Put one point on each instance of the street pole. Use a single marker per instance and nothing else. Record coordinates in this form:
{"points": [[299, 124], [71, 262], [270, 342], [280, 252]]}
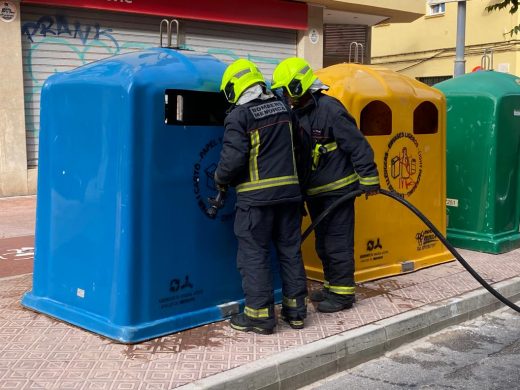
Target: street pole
{"points": [[460, 62]]}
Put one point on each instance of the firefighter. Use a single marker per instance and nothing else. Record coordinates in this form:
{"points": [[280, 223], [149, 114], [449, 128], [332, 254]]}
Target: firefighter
{"points": [[258, 159], [340, 160]]}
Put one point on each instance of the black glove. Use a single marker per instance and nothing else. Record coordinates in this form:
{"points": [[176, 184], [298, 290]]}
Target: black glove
{"points": [[370, 190], [221, 187]]}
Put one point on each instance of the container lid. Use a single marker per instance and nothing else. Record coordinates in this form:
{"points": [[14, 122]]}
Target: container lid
{"points": [[486, 82], [181, 69], [352, 83]]}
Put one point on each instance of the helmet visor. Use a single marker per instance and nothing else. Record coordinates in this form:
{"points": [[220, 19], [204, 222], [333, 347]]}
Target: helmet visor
{"points": [[229, 91], [295, 87]]}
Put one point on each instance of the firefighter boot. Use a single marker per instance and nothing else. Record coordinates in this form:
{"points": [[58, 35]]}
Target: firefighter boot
{"points": [[318, 295], [243, 323], [294, 322], [335, 302]]}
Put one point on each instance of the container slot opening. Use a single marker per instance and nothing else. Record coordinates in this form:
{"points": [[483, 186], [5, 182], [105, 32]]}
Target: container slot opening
{"points": [[194, 108], [376, 119], [426, 119]]}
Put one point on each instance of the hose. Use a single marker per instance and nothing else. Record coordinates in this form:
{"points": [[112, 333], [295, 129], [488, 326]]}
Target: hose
{"points": [[428, 223]]}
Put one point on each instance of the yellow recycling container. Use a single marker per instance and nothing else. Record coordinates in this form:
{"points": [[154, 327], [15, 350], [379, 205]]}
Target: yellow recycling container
{"points": [[405, 122]]}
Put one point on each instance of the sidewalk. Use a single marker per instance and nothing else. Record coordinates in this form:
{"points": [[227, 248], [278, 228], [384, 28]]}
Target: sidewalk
{"points": [[38, 352]]}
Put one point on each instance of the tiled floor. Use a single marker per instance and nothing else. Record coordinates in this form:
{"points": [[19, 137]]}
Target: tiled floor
{"points": [[37, 352]]}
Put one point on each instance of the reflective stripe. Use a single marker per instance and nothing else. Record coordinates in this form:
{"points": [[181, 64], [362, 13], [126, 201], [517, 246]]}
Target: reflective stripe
{"points": [[331, 147], [267, 183], [315, 156], [292, 149], [256, 313], [317, 152], [367, 181], [342, 290], [289, 302], [241, 73], [293, 302], [304, 70], [253, 157], [326, 284], [335, 185]]}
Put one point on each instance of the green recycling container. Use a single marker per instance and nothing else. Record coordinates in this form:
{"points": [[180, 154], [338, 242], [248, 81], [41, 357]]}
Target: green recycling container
{"points": [[483, 161]]}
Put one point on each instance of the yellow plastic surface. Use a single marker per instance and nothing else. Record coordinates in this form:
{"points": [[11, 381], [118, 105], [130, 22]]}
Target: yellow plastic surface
{"points": [[405, 122]]}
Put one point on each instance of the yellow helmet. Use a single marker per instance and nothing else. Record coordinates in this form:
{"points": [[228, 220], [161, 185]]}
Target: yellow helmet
{"points": [[239, 76], [295, 75]]}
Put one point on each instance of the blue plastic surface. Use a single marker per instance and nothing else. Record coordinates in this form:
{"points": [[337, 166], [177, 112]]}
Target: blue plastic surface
{"points": [[123, 247]]}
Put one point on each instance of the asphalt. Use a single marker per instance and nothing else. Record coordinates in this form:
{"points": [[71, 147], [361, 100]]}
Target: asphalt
{"points": [[40, 352]]}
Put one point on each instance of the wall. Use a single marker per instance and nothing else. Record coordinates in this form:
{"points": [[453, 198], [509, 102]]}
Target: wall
{"points": [[312, 52], [397, 11], [13, 157], [426, 47]]}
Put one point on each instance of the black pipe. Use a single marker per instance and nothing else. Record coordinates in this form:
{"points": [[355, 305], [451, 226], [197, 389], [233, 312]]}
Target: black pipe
{"points": [[428, 223]]}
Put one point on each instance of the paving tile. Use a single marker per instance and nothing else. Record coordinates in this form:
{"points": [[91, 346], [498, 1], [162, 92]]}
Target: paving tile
{"points": [[152, 385], [126, 385], [96, 385], [70, 385], [74, 375], [13, 384]]}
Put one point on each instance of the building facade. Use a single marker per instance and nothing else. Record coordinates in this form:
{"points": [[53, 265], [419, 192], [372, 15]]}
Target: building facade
{"points": [[42, 37], [425, 48]]}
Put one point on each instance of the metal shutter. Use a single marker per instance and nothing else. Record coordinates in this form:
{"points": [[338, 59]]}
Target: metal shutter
{"points": [[337, 40], [57, 40]]}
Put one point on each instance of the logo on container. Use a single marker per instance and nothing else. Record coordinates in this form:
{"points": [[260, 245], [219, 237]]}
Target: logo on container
{"points": [[425, 239], [204, 183], [403, 164]]}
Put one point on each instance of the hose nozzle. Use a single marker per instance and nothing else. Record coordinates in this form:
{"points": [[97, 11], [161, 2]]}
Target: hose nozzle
{"points": [[216, 203]]}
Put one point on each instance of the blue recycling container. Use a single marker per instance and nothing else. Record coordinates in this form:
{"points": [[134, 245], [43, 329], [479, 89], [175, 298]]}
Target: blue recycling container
{"points": [[124, 248]]}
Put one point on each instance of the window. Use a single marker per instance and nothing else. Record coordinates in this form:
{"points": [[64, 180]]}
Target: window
{"points": [[376, 119], [194, 108], [436, 8], [425, 119], [432, 80]]}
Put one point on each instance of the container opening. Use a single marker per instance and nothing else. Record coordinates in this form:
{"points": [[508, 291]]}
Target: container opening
{"points": [[425, 119], [194, 108], [376, 119]]}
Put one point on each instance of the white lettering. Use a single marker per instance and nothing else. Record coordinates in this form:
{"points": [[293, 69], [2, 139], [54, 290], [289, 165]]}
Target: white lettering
{"points": [[452, 202], [267, 109]]}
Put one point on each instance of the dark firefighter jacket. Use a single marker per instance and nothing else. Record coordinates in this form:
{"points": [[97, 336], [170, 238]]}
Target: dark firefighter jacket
{"points": [[258, 155], [340, 158]]}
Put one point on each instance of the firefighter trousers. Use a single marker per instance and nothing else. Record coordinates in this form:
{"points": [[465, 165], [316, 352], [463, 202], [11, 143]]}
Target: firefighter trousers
{"points": [[256, 227], [335, 244]]}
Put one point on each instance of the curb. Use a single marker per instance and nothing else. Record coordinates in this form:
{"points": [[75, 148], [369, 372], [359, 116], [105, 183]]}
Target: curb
{"points": [[309, 363]]}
